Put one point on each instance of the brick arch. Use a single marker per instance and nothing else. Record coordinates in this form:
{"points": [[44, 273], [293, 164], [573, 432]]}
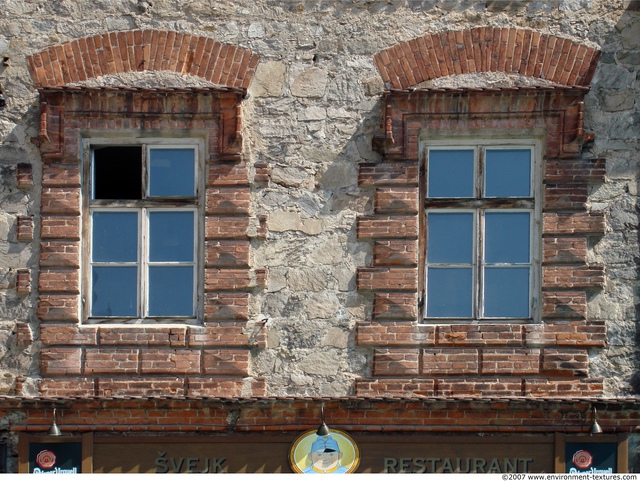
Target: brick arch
{"points": [[140, 50], [487, 49]]}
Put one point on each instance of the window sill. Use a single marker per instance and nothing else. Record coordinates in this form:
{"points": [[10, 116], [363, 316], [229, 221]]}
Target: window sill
{"points": [[162, 322]]}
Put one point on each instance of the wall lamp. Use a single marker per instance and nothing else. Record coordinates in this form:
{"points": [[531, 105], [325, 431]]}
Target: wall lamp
{"points": [[595, 427], [323, 429], [54, 430]]}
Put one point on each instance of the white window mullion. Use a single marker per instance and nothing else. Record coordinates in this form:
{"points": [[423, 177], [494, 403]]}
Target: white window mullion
{"points": [[532, 263], [143, 275], [479, 267], [145, 171], [144, 238], [478, 301], [196, 250], [479, 174]]}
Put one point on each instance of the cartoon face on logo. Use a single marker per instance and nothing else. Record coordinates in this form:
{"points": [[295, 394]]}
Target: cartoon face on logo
{"points": [[582, 459], [336, 453], [46, 459]]}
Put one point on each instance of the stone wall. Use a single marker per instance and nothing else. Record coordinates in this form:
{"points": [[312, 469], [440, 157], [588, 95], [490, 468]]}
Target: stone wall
{"points": [[313, 111]]}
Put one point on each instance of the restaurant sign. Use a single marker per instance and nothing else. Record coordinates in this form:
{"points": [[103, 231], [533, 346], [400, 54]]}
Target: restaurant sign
{"points": [[338, 452]]}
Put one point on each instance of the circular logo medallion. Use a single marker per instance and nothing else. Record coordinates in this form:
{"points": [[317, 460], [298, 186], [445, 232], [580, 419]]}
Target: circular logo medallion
{"points": [[582, 459], [46, 459], [335, 453]]}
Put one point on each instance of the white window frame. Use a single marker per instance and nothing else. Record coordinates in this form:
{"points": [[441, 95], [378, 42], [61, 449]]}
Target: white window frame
{"points": [[478, 205], [144, 207]]}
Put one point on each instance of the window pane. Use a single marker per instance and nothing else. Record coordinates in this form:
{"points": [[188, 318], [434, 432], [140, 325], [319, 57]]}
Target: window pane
{"points": [[117, 172], [506, 292], [172, 172], [507, 238], [171, 291], [171, 236], [449, 292], [450, 238], [450, 173], [114, 291], [508, 173], [115, 236]]}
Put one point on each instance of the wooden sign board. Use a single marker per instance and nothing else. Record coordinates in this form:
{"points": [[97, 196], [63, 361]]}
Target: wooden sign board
{"points": [[379, 454], [271, 454]]}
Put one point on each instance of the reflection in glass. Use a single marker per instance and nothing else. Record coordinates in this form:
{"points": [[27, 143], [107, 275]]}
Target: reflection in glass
{"points": [[506, 292], [171, 291], [171, 172], [114, 291], [449, 292], [171, 236], [450, 237], [115, 236], [508, 173], [507, 238], [450, 173]]}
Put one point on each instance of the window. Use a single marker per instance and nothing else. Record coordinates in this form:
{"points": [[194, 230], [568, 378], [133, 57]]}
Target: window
{"points": [[480, 224], [143, 225]]}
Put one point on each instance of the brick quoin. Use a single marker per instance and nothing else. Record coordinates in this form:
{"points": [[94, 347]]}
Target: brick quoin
{"points": [[388, 173], [410, 63], [59, 254], [58, 307], [54, 334], [24, 335], [24, 176], [575, 170], [564, 304], [225, 253], [24, 228], [396, 199], [228, 201], [564, 250], [394, 305], [61, 175], [395, 252], [133, 51], [226, 306], [23, 281]]}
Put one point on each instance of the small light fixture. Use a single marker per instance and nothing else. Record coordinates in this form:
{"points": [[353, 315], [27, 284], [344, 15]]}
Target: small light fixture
{"points": [[595, 427], [54, 430], [323, 430]]}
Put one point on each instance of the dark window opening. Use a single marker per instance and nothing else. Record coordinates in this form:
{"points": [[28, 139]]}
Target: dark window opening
{"points": [[117, 173]]}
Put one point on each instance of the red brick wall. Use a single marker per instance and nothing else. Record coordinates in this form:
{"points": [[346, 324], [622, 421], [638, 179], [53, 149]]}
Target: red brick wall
{"points": [[545, 358], [357, 415], [207, 359], [487, 49]]}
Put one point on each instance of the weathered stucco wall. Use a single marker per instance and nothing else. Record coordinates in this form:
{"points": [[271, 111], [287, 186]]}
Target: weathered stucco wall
{"points": [[313, 109]]}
